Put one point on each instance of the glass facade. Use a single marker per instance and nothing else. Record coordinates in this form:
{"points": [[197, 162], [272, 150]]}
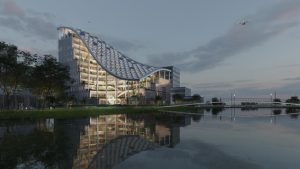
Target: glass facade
{"points": [[174, 76], [104, 75]]}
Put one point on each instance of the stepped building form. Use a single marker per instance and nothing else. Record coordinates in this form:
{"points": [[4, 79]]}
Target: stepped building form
{"points": [[104, 75]]}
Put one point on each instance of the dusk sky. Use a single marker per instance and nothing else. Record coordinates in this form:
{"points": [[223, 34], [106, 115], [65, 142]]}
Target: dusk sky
{"points": [[204, 38]]}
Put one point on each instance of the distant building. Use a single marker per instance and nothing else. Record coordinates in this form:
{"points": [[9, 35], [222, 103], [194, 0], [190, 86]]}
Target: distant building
{"points": [[182, 91], [104, 75]]}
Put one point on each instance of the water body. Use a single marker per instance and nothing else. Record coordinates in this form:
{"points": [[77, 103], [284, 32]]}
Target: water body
{"points": [[208, 139]]}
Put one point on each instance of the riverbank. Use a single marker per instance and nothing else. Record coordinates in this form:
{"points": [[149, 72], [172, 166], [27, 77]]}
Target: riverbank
{"points": [[75, 112], [251, 106], [90, 111]]}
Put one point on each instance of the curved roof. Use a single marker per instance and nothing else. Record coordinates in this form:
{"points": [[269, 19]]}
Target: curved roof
{"points": [[112, 60], [119, 149]]}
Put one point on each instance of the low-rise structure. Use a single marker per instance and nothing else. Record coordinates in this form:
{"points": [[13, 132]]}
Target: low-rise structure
{"points": [[180, 91]]}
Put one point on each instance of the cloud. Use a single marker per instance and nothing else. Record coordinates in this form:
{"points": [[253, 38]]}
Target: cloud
{"points": [[218, 85], [124, 45], [292, 79], [288, 65], [292, 88], [289, 87], [262, 26], [242, 88], [221, 85], [34, 24]]}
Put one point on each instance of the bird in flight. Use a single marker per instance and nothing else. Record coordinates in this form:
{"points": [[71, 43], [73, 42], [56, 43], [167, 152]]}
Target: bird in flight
{"points": [[244, 22]]}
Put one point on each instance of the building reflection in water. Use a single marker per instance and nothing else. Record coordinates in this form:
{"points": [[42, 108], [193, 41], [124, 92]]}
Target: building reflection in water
{"points": [[104, 134], [103, 141], [98, 142]]}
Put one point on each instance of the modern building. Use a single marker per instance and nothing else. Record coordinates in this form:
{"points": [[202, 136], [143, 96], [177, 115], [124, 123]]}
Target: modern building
{"points": [[174, 81], [175, 88], [174, 76], [104, 75]]}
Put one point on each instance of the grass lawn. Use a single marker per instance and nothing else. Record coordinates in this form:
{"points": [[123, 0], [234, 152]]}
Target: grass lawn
{"points": [[75, 112]]}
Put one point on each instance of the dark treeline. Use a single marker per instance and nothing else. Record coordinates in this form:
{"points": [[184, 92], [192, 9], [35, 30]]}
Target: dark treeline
{"points": [[178, 98], [41, 77]]}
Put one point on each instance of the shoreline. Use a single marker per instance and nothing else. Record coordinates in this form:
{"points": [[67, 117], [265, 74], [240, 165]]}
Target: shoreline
{"points": [[78, 112], [88, 111], [249, 107]]}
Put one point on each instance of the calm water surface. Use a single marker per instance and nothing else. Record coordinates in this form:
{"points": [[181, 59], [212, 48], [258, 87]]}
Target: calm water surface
{"points": [[208, 139]]}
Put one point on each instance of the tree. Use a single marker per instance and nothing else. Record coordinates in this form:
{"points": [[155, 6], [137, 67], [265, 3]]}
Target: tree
{"points": [[294, 113], [158, 99], [216, 111], [277, 100], [14, 69], [177, 98], [277, 111], [50, 79], [196, 97], [8, 62], [214, 99], [293, 99]]}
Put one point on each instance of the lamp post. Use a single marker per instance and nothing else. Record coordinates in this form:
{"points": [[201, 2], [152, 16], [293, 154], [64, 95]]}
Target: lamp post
{"points": [[271, 96], [231, 99], [234, 106], [234, 99]]}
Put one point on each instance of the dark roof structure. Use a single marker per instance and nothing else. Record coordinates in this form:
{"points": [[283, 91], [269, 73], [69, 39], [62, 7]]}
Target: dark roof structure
{"points": [[112, 60]]}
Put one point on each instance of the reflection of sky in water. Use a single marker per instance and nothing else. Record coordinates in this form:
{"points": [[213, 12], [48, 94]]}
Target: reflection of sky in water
{"points": [[246, 142], [99, 142], [188, 155], [229, 139]]}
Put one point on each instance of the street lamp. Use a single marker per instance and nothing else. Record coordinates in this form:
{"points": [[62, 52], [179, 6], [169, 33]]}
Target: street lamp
{"points": [[271, 95], [234, 99], [231, 99]]}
